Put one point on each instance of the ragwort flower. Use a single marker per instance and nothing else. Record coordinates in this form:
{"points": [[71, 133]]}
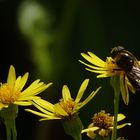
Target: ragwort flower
{"points": [[109, 68], [12, 91], [102, 124], [66, 107]]}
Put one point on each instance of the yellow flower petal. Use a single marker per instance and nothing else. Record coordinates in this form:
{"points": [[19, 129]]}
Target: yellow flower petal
{"points": [[33, 86], [104, 75], [91, 135], [45, 104], [97, 71], [90, 129], [91, 66], [102, 132], [124, 90], [35, 89], [97, 60], [50, 118], [82, 90], [23, 103], [23, 80], [28, 98], [123, 125], [17, 83], [120, 117], [93, 93], [66, 93], [93, 59], [38, 90], [37, 113], [132, 89], [94, 128], [45, 111], [59, 110], [11, 76]]}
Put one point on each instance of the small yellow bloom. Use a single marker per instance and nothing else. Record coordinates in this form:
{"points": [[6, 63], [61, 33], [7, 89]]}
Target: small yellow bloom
{"points": [[66, 107], [108, 68], [102, 124], [11, 91]]}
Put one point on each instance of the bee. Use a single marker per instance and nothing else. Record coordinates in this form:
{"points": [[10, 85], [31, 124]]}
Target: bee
{"points": [[128, 63]]}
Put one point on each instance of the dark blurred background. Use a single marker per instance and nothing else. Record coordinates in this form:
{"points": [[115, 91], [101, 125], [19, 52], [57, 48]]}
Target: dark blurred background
{"points": [[46, 37]]}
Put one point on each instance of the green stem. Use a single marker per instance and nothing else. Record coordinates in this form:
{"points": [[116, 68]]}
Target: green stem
{"points": [[115, 81], [8, 116], [14, 131], [10, 129]]}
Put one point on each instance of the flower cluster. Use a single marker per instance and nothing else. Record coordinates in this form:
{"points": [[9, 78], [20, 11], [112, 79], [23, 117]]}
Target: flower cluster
{"points": [[66, 107], [13, 94], [102, 124]]}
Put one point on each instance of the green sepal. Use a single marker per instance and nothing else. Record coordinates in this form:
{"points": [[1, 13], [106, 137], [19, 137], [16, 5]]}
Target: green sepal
{"points": [[73, 126], [8, 116]]}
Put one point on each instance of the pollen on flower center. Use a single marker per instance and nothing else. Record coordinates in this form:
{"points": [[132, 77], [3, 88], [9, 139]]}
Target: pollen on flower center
{"points": [[68, 106], [7, 94], [102, 120], [113, 67]]}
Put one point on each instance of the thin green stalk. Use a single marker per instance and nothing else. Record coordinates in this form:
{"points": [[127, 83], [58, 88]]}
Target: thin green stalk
{"points": [[8, 116], [115, 82], [14, 130], [10, 129]]}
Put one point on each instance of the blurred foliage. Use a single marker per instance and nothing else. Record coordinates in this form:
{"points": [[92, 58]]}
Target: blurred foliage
{"points": [[34, 23], [46, 37]]}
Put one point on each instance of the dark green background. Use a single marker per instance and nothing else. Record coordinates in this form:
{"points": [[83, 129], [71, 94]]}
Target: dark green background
{"points": [[76, 26]]}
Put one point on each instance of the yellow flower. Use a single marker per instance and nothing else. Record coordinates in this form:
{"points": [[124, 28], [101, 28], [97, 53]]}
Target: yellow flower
{"points": [[66, 107], [12, 91], [102, 124], [109, 68]]}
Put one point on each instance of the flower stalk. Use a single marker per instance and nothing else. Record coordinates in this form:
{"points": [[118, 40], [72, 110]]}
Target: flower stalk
{"points": [[115, 82], [8, 116]]}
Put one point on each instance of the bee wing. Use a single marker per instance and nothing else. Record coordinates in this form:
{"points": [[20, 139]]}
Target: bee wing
{"points": [[134, 77]]}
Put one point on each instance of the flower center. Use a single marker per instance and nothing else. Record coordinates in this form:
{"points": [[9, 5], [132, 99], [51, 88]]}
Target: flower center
{"points": [[102, 120], [68, 106], [7, 94]]}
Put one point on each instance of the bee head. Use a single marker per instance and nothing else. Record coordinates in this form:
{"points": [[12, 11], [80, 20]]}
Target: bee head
{"points": [[116, 50]]}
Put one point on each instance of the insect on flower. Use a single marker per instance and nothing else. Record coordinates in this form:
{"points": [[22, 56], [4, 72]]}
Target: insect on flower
{"points": [[128, 63]]}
